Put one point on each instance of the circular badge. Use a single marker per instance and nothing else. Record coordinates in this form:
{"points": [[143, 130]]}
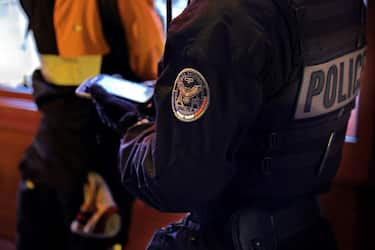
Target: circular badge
{"points": [[190, 95]]}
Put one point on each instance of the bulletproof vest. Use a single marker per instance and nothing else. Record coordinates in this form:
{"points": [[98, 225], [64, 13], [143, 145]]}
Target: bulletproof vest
{"points": [[296, 145]]}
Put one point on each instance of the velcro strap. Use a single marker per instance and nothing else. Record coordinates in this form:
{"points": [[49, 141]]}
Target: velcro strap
{"points": [[328, 28], [308, 135]]}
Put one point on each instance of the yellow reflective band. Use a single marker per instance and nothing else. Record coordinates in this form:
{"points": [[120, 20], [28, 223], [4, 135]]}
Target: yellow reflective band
{"points": [[70, 71], [29, 185], [117, 247]]}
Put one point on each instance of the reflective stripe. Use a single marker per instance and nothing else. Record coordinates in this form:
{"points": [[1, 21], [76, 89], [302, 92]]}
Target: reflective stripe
{"points": [[70, 71]]}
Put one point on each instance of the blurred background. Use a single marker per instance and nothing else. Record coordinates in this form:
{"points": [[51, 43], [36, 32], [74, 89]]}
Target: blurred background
{"points": [[19, 119], [350, 205], [19, 57]]}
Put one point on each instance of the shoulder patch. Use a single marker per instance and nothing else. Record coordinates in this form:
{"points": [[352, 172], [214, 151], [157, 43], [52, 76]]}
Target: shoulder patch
{"points": [[190, 95]]}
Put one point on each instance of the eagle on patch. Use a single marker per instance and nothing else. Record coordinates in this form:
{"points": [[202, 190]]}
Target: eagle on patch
{"points": [[190, 95]]}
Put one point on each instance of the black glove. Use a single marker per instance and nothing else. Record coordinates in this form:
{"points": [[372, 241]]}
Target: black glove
{"points": [[116, 113]]}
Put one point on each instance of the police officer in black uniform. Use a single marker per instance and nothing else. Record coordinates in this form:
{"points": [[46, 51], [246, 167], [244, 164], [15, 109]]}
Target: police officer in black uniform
{"points": [[252, 104]]}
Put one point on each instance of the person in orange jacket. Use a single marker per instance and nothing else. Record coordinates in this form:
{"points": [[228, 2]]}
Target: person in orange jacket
{"points": [[77, 40]]}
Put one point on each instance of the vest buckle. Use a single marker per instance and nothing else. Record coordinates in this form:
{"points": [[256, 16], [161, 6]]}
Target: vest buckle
{"points": [[273, 140], [266, 166]]}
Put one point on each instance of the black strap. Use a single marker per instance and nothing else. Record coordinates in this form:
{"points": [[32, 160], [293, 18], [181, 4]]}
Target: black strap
{"points": [[328, 29], [117, 61], [302, 136], [40, 14], [169, 12]]}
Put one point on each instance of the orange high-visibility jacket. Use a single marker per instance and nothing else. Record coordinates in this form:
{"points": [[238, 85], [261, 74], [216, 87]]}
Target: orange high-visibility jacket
{"points": [[70, 35]]}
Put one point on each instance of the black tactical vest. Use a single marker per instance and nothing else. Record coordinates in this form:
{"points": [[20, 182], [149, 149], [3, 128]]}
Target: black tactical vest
{"points": [[297, 141]]}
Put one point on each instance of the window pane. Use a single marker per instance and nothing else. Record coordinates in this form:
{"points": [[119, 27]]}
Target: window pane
{"points": [[17, 47]]}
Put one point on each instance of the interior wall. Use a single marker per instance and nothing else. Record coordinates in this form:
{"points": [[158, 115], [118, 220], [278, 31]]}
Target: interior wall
{"points": [[350, 205], [18, 122]]}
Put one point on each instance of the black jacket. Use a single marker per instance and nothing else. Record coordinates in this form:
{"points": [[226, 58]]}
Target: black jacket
{"points": [[247, 60]]}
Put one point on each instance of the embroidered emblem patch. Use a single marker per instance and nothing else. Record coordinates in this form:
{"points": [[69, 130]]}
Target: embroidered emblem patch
{"points": [[190, 95]]}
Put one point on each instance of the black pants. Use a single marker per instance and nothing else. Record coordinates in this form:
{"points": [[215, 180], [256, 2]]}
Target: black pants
{"points": [[180, 236], [318, 236], [64, 149]]}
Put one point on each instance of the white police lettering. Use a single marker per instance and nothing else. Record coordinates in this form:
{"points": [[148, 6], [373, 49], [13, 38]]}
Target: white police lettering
{"points": [[190, 95], [330, 86]]}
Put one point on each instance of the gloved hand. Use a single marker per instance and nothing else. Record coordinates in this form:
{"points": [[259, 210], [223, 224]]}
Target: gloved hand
{"points": [[98, 216], [117, 113]]}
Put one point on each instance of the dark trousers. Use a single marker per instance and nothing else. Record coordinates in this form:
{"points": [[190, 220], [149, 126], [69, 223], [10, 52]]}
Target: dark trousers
{"points": [[43, 218], [318, 236], [182, 236], [40, 223], [65, 148]]}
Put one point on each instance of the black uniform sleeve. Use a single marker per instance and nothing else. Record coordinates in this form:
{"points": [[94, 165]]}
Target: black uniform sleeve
{"points": [[175, 165]]}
